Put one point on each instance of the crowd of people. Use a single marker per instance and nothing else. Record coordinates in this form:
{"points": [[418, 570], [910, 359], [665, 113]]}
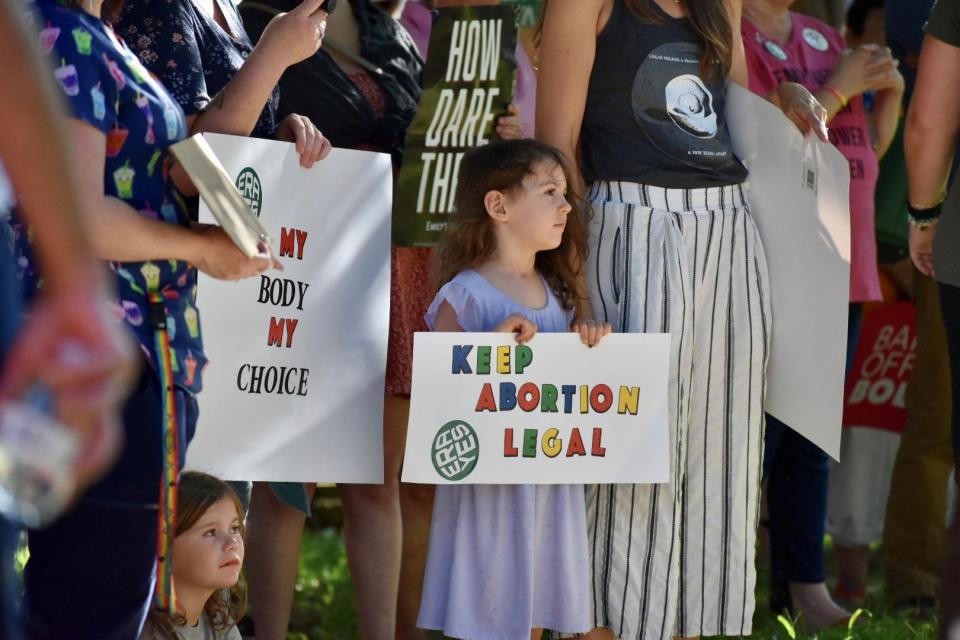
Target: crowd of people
{"points": [[599, 209]]}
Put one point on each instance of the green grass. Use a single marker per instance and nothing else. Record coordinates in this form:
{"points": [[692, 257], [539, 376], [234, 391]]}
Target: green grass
{"points": [[879, 626], [875, 623], [325, 609]]}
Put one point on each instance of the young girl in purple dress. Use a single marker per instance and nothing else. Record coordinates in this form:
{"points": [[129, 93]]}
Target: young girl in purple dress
{"points": [[507, 561]]}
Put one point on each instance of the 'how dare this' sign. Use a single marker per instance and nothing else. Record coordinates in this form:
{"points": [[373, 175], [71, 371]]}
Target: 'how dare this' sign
{"points": [[468, 83], [486, 410], [294, 388]]}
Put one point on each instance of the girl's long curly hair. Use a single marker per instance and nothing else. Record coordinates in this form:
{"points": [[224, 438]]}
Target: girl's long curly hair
{"points": [[198, 492], [469, 239]]}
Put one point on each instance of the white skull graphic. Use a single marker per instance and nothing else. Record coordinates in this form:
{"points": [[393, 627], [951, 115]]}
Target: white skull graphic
{"points": [[690, 106]]}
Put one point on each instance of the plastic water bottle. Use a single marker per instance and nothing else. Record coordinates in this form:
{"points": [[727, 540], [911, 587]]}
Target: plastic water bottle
{"points": [[37, 453]]}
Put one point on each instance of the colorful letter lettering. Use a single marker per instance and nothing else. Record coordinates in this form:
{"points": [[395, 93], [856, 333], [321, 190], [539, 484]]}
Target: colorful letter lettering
{"points": [[552, 445], [460, 353], [486, 402]]}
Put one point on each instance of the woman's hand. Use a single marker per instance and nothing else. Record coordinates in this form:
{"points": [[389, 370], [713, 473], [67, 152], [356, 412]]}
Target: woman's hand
{"points": [[885, 75], [591, 331], [72, 346], [523, 327], [509, 127], [856, 69], [802, 108], [294, 36], [921, 248], [217, 256], [311, 145]]}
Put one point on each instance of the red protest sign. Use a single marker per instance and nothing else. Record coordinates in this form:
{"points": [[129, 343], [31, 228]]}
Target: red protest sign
{"points": [[877, 383]]}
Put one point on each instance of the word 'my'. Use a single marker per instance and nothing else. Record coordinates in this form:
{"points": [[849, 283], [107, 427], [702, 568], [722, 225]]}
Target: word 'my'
{"points": [[292, 241]]}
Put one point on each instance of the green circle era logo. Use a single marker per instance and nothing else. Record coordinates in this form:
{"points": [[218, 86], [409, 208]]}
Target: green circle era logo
{"points": [[248, 182], [455, 450]]}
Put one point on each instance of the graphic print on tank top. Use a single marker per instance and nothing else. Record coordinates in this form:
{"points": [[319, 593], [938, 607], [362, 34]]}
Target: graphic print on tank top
{"points": [[675, 109]]}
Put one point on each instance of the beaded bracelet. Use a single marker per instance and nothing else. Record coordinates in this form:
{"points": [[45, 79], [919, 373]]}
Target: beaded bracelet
{"points": [[836, 93], [923, 218]]}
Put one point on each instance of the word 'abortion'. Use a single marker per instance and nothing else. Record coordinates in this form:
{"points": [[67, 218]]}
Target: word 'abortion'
{"points": [[546, 398]]}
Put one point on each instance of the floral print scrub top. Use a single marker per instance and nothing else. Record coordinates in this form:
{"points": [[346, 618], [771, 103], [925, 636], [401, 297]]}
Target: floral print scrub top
{"points": [[108, 88]]}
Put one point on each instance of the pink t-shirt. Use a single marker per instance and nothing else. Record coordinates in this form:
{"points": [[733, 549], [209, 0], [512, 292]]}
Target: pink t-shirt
{"points": [[808, 59]]}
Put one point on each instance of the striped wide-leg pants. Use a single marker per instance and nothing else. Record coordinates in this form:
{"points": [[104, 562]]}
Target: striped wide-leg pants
{"points": [[677, 559]]}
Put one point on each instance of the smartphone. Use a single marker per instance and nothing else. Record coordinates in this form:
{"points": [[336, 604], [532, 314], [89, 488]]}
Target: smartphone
{"points": [[328, 6]]}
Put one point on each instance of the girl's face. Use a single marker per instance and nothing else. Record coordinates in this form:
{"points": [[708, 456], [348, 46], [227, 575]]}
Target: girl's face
{"points": [[536, 211], [210, 553]]}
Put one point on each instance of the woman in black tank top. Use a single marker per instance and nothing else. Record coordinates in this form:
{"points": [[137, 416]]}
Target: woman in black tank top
{"points": [[634, 91]]}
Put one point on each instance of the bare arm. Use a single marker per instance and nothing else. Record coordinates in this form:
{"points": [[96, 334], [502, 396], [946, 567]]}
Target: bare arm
{"points": [[236, 109], [31, 142], [886, 116], [120, 233], [69, 319], [446, 319], [287, 39], [567, 50], [932, 122], [860, 70], [738, 65], [929, 139], [117, 231]]}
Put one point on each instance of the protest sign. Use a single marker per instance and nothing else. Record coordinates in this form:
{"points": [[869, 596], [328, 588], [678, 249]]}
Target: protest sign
{"points": [[798, 192], [485, 410], [223, 199], [882, 363], [468, 83], [294, 389]]}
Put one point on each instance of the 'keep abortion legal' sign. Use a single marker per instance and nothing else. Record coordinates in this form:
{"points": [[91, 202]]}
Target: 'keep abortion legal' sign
{"points": [[468, 83], [294, 388], [485, 410]]}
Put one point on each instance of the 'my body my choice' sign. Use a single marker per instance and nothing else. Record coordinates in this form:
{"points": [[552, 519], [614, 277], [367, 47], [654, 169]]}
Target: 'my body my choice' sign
{"points": [[485, 410], [294, 389]]}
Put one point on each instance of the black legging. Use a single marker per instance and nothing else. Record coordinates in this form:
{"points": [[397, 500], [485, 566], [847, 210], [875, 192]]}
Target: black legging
{"points": [[950, 307]]}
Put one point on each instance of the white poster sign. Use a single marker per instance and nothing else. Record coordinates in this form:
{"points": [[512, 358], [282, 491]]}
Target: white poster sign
{"points": [[799, 197], [485, 410], [294, 389]]}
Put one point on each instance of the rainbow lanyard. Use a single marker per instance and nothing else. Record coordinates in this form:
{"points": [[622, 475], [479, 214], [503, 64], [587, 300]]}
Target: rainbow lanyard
{"points": [[164, 596]]}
